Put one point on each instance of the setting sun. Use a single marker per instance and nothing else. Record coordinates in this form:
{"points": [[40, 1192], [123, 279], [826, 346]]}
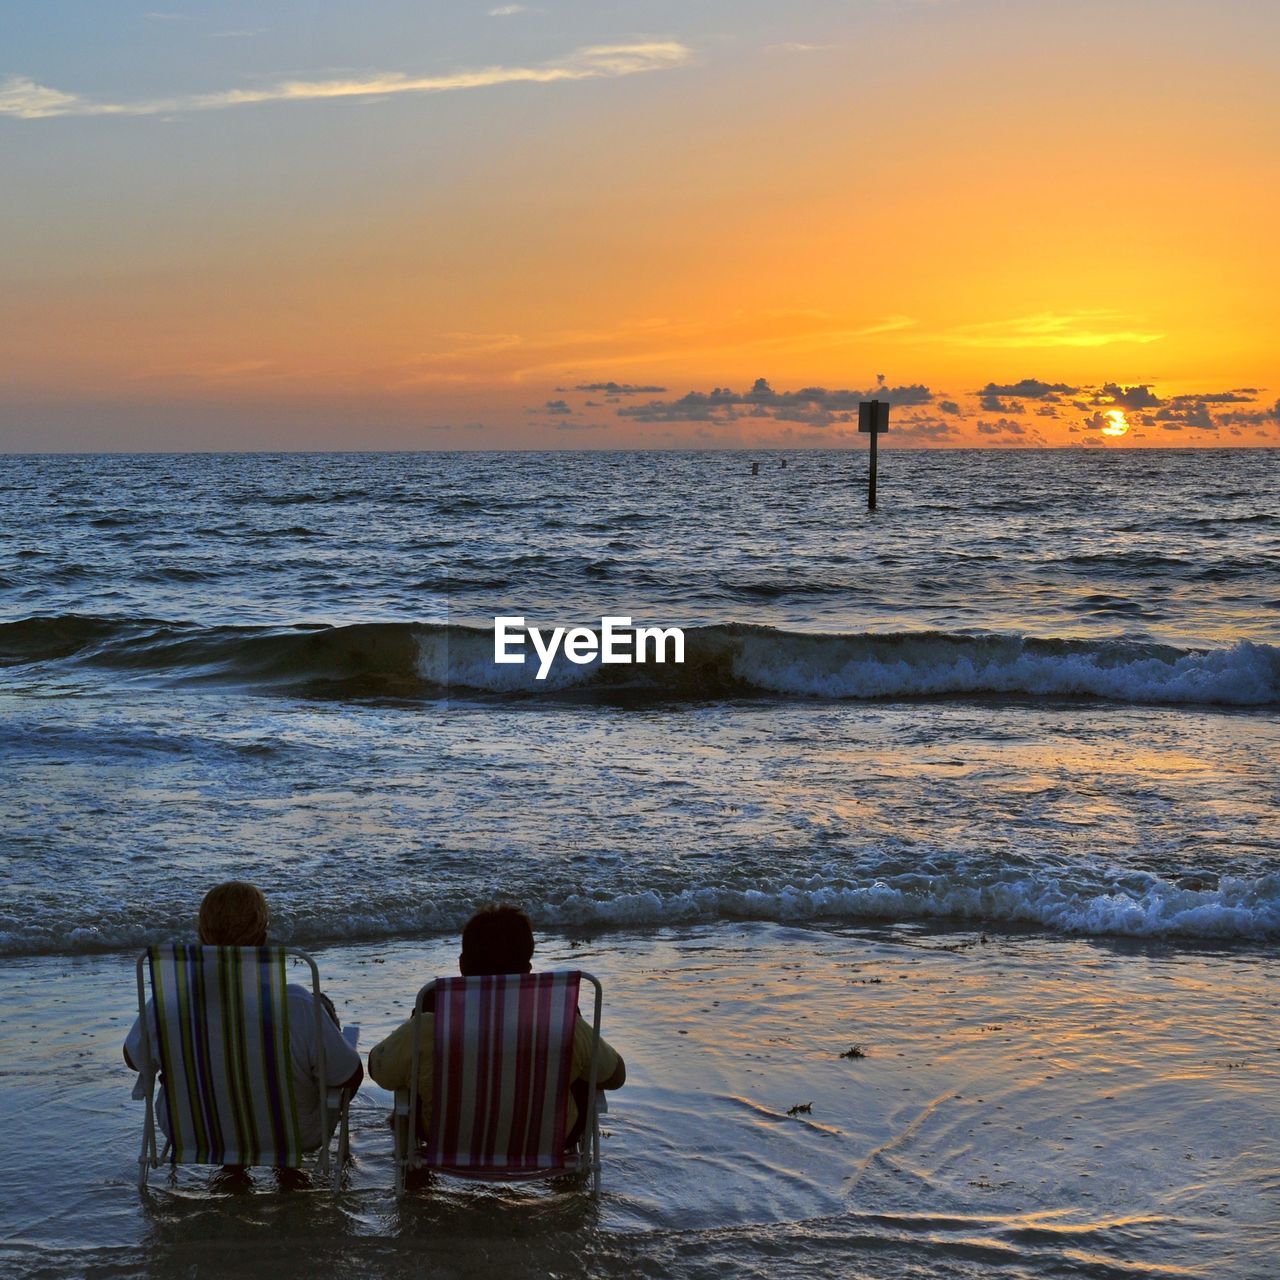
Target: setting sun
{"points": [[1117, 423]]}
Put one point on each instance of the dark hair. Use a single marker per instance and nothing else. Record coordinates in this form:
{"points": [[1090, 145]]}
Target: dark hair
{"points": [[497, 940]]}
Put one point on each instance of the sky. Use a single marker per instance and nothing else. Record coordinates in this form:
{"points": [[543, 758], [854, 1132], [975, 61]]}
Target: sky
{"points": [[694, 223]]}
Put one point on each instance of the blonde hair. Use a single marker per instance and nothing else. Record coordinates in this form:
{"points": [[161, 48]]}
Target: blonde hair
{"points": [[234, 914]]}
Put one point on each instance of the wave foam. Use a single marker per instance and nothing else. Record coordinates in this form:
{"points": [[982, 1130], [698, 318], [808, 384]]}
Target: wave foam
{"points": [[725, 661], [1237, 909]]}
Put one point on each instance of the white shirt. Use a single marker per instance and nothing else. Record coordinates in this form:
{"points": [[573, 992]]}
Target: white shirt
{"points": [[340, 1059]]}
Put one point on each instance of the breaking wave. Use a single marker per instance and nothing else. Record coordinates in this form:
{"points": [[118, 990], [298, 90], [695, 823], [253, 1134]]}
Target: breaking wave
{"points": [[1233, 909], [726, 661]]}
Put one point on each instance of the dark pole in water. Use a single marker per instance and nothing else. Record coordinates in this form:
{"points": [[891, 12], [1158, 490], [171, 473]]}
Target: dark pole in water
{"points": [[873, 418]]}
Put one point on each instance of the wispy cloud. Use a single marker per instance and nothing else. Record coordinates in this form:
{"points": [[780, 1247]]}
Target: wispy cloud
{"points": [[799, 46], [25, 99], [1049, 329], [508, 10]]}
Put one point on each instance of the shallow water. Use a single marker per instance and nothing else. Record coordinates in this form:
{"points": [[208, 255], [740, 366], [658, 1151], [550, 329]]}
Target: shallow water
{"points": [[1026, 1107]]}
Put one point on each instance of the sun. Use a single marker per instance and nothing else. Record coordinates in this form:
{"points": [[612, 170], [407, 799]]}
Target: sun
{"points": [[1117, 423]]}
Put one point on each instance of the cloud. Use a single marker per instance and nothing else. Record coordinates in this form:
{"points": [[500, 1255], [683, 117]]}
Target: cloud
{"points": [[25, 99], [555, 407], [30, 101], [1002, 427], [1243, 395], [799, 46], [998, 404], [923, 428], [949, 406], [508, 10], [1048, 329], [1029, 389], [1139, 397], [620, 388], [814, 405], [1253, 418], [1189, 415]]}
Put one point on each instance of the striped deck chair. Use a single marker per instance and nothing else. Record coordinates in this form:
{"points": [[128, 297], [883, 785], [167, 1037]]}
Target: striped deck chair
{"points": [[222, 1032], [502, 1056]]}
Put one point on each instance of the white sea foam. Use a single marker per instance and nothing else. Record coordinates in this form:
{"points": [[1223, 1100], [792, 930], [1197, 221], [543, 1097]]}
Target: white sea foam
{"points": [[1238, 908], [744, 660], [1246, 674]]}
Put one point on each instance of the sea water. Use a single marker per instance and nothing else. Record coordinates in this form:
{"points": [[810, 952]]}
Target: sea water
{"points": [[985, 781], [1033, 687]]}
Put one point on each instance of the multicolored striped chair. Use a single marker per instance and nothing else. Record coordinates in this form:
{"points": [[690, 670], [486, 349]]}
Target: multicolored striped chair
{"points": [[222, 1046], [502, 1056]]}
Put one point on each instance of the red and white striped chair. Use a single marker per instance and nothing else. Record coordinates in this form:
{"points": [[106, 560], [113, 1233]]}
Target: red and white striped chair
{"points": [[502, 1054]]}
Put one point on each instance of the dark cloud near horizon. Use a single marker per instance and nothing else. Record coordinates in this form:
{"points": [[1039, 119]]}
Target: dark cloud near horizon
{"points": [[1136, 397], [816, 406], [1002, 426], [999, 404], [1253, 417], [620, 389], [1028, 389], [1244, 395], [922, 428], [1188, 415]]}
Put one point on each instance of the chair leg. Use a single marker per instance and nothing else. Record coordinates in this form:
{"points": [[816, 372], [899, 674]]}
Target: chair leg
{"points": [[400, 1133], [144, 1157], [344, 1144]]}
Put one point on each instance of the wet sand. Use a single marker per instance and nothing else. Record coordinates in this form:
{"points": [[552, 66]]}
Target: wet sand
{"points": [[1027, 1105]]}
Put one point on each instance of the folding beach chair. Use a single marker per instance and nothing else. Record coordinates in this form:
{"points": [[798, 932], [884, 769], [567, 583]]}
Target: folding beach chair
{"points": [[222, 1032], [503, 1055]]}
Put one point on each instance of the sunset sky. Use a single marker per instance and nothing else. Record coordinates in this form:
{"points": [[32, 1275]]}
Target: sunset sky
{"points": [[587, 225]]}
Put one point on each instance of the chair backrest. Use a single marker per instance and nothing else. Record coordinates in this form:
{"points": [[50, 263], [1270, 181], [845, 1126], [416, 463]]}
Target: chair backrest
{"points": [[223, 1044], [503, 1056]]}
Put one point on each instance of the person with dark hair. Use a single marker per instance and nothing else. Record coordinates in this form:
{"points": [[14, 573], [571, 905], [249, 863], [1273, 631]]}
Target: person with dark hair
{"points": [[496, 940]]}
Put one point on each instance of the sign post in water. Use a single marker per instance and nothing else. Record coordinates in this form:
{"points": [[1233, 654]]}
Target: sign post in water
{"points": [[873, 418]]}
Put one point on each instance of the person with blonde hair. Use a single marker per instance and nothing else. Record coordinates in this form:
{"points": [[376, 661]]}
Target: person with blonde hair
{"points": [[235, 914]]}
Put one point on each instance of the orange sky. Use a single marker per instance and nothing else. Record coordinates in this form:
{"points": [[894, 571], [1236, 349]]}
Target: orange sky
{"points": [[427, 231]]}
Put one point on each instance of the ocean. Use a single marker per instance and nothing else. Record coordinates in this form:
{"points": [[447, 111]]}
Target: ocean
{"points": [[1029, 706], [1032, 687]]}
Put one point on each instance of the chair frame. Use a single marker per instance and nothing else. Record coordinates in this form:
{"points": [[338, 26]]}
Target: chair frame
{"points": [[332, 1099], [584, 1163]]}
